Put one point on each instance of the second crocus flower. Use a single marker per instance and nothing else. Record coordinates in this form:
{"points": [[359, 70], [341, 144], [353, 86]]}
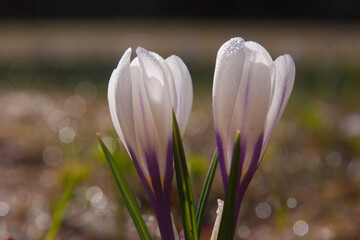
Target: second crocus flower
{"points": [[141, 95], [250, 93]]}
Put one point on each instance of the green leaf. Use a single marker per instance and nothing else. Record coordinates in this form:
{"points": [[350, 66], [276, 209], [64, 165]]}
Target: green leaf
{"points": [[128, 197], [226, 230], [205, 192], [72, 179], [184, 186]]}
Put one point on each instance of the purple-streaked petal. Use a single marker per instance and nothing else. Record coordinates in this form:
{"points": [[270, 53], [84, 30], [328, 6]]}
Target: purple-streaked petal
{"points": [[156, 105], [257, 97], [241, 93], [283, 84], [181, 90]]}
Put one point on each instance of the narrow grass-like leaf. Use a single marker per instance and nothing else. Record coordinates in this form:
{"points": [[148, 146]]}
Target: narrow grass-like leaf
{"points": [[205, 192], [72, 180], [226, 230], [128, 197], [184, 186]]}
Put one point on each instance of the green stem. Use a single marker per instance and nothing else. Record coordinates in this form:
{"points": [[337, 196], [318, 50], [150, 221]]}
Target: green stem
{"points": [[206, 191]]}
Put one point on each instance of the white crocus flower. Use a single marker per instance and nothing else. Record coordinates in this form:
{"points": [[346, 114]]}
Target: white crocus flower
{"points": [[142, 94], [250, 93]]}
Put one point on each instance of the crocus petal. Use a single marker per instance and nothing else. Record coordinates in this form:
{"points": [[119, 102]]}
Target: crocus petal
{"points": [[227, 79], [157, 106], [283, 84], [141, 97], [120, 101], [177, 80], [241, 92], [181, 90], [250, 92], [257, 97]]}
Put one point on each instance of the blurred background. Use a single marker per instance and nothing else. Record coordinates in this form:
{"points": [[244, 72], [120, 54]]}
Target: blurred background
{"points": [[56, 58]]}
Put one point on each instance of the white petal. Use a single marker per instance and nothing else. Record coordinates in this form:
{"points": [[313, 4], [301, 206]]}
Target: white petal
{"points": [[257, 98], [120, 101], [262, 55], [155, 121], [181, 90], [169, 81], [227, 78], [283, 84], [241, 94]]}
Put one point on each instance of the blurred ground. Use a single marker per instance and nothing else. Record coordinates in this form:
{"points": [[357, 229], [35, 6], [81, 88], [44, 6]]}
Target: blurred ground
{"points": [[53, 79]]}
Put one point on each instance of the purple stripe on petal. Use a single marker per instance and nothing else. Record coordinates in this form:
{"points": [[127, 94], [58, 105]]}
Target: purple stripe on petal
{"points": [[279, 109], [154, 172], [242, 159], [283, 95], [222, 161], [142, 177], [143, 116], [256, 154], [248, 176], [162, 202], [169, 170], [247, 89]]}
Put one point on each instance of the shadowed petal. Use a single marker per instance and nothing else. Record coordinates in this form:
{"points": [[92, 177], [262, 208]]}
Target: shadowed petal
{"points": [[284, 82], [181, 90], [257, 99]]}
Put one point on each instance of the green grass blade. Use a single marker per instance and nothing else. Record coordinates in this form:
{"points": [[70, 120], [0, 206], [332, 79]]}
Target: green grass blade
{"points": [[206, 191], [226, 230], [184, 186], [72, 180], [128, 197]]}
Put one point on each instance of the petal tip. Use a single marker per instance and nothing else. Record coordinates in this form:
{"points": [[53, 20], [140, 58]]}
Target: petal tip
{"points": [[141, 50], [125, 58]]}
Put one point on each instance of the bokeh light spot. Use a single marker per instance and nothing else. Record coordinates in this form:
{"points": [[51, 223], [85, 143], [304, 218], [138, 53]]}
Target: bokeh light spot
{"points": [[263, 210], [52, 155], [243, 232], [291, 203], [333, 159], [67, 135], [301, 228], [4, 209], [75, 106]]}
